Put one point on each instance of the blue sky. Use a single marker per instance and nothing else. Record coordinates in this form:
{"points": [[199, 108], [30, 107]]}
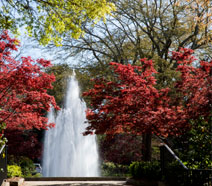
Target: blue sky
{"points": [[30, 47]]}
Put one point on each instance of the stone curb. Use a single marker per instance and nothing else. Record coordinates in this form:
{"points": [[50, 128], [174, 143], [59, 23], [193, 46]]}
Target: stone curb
{"points": [[75, 179]]}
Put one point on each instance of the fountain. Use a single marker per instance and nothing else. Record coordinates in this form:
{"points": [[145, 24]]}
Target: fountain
{"points": [[67, 153]]}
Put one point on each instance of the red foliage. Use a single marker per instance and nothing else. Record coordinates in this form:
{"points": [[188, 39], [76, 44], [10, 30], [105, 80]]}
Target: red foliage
{"points": [[121, 149], [195, 86], [23, 143], [131, 103], [23, 88]]}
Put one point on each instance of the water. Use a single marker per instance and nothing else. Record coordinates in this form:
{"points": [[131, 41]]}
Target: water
{"points": [[67, 153]]}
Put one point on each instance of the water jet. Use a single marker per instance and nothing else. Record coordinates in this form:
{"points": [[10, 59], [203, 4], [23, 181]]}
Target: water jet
{"points": [[67, 153]]}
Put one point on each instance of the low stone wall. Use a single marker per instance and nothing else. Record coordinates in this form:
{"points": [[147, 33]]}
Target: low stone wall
{"points": [[13, 182]]}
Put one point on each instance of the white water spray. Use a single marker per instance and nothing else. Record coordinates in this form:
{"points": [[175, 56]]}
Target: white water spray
{"points": [[67, 153]]}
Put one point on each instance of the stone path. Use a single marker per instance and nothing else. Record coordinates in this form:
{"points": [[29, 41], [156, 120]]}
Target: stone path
{"points": [[74, 183]]}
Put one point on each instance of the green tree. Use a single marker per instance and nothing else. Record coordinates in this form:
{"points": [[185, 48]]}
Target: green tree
{"points": [[149, 29], [62, 73], [50, 20], [143, 29]]}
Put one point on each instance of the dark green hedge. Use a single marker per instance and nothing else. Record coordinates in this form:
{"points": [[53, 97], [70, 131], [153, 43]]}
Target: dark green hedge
{"points": [[147, 170]]}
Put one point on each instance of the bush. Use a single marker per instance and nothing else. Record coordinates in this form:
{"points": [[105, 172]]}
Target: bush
{"points": [[37, 175], [13, 171], [147, 170], [117, 170], [176, 175], [27, 166]]}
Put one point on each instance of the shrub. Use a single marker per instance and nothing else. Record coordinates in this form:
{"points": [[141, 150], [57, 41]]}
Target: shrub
{"points": [[176, 175], [37, 175], [148, 170], [14, 171], [26, 164], [112, 169]]}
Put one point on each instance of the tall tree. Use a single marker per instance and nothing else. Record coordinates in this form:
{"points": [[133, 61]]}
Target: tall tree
{"points": [[131, 104], [138, 29], [164, 25], [23, 89], [50, 20]]}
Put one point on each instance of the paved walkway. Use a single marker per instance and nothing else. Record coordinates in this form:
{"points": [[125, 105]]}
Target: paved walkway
{"points": [[74, 183]]}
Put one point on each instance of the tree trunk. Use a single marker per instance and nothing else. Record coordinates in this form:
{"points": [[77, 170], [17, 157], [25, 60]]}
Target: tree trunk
{"points": [[147, 147]]}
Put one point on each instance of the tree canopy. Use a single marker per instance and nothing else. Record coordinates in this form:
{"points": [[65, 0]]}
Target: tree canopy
{"points": [[23, 143], [142, 29], [23, 89], [131, 104], [50, 20], [165, 25]]}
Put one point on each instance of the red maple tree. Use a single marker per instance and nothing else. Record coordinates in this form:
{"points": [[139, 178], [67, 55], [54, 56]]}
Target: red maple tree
{"points": [[131, 103], [195, 86], [23, 143], [121, 149], [23, 88]]}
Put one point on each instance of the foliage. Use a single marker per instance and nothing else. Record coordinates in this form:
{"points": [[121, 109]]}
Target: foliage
{"points": [[130, 103], [62, 72], [23, 143], [26, 164], [37, 175], [3, 140], [195, 146], [50, 20], [149, 170], [155, 148], [23, 87], [121, 149], [194, 87], [176, 175], [165, 25], [142, 29], [14, 171], [86, 72], [196, 97], [117, 170]]}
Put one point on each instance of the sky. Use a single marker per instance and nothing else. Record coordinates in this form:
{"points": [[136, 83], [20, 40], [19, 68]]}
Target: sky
{"points": [[30, 47]]}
